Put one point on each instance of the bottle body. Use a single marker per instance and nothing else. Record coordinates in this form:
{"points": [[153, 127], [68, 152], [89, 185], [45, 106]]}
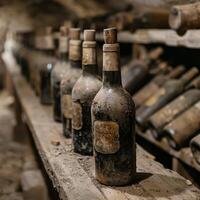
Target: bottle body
{"points": [[45, 84], [83, 94], [164, 95], [184, 127], [66, 87], [172, 110], [114, 136], [57, 74], [148, 90], [134, 75]]}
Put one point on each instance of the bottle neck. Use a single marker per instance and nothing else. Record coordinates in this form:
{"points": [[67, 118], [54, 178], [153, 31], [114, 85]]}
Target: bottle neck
{"points": [[111, 65], [63, 48], [187, 77], [89, 58], [75, 64], [63, 56], [75, 53]]}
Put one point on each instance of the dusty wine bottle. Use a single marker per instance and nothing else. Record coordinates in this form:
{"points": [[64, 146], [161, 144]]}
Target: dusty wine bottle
{"points": [[58, 72], [133, 75], [154, 85], [170, 90], [169, 112], [137, 71], [184, 127], [184, 17], [194, 84], [113, 121], [83, 94], [69, 79], [47, 49], [195, 148], [45, 70]]}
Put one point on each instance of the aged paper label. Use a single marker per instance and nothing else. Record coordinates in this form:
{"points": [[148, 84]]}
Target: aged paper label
{"points": [[77, 122], [106, 137], [66, 105], [89, 56], [110, 61], [152, 100], [75, 52]]}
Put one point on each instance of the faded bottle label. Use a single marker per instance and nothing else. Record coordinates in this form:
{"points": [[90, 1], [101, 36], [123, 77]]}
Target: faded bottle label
{"points": [[106, 137], [77, 122], [152, 100], [89, 56], [110, 61], [66, 103], [75, 50]]}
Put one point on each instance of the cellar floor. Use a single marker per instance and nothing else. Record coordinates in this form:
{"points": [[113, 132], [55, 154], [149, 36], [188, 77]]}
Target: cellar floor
{"points": [[11, 152]]}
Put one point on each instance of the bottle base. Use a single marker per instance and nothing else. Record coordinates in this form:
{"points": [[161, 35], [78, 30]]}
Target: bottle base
{"points": [[123, 180]]}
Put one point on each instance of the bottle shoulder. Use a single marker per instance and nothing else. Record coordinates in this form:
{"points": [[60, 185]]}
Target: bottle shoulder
{"points": [[69, 79], [113, 99], [86, 87], [173, 84], [59, 70]]}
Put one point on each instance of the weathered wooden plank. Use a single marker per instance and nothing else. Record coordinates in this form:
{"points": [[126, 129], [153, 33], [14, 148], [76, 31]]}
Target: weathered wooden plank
{"points": [[168, 37], [72, 174]]}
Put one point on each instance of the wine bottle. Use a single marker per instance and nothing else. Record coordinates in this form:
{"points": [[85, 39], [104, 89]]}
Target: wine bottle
{"points": [[136, 72], [45, 70], [194, 84], [69, 79], [83, 94], [155, 84], [46, 49], [58, 72], [113, 121], [170, 90], [169, 112], [185, 17], [183, 128]]}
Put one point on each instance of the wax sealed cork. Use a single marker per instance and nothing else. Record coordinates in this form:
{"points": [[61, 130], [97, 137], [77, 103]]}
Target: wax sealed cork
{"points": [[75, 33], [89, 35]]}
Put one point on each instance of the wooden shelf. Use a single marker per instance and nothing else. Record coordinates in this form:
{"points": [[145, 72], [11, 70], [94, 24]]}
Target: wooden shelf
{"points": [[159, 36], [72, 174]]}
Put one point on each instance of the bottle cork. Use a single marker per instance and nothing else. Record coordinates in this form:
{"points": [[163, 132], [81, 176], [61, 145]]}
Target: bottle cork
{"points": [[89, 35], [89, 48], [75, 33], [110, 35]]}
